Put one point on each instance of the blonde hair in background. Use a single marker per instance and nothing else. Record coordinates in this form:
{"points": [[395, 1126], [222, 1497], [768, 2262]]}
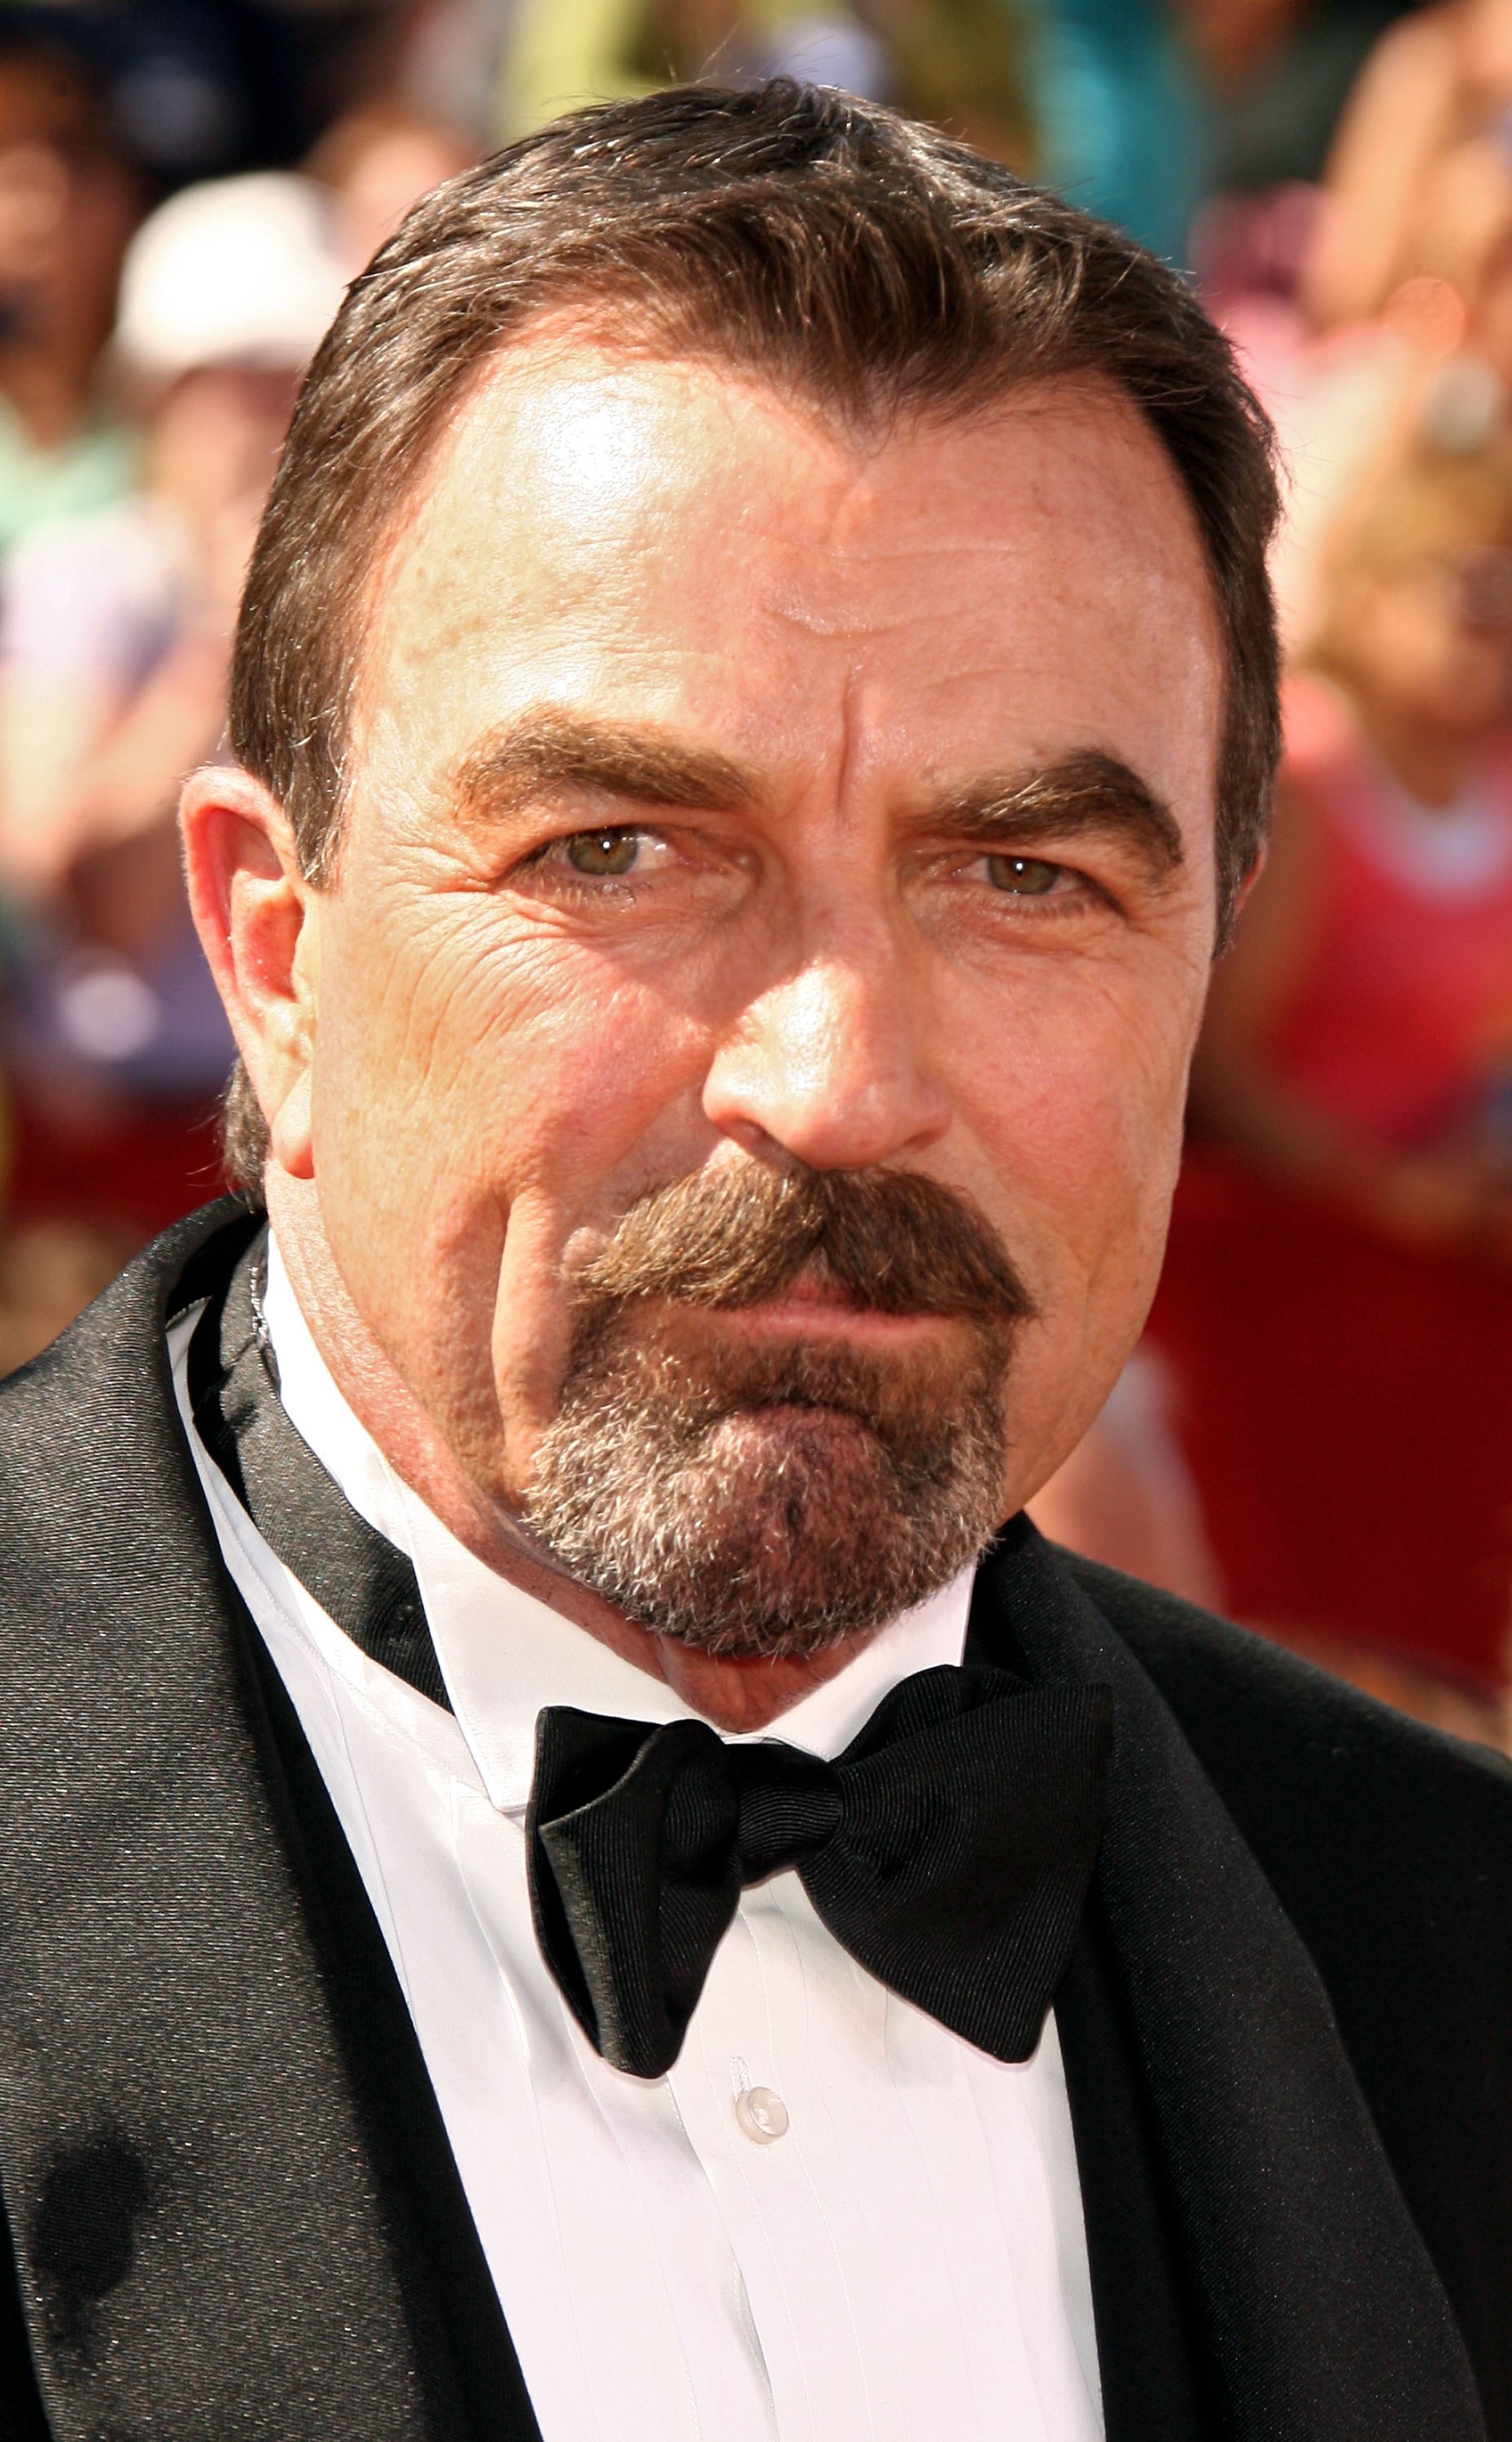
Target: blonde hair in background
{"points": [[1439, 490]]}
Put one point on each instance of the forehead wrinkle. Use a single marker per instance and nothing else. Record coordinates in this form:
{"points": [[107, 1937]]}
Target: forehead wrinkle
{"points": [[1088, 791], [550, 748], [832, 612]]}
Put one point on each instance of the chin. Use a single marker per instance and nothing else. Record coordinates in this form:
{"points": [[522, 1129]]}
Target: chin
{"points": [[784, 1531]]}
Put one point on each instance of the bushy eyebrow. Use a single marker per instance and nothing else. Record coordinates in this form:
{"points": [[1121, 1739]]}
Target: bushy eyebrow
{"points": [[1085, 794], [550, 750]]}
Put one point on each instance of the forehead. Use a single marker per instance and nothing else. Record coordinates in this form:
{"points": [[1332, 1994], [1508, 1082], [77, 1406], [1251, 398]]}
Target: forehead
{"points": [[674, 543]]}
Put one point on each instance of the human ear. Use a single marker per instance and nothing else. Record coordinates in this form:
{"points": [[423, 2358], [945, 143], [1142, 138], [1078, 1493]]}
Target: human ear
{"points": [[258, 920], [1230, 917], [1252, 873]]}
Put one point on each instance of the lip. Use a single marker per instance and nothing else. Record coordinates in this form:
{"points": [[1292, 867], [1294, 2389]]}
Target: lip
{"points": [[802, 1312]]}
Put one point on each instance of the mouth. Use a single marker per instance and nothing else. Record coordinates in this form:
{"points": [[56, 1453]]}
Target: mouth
{"points": [[814, 1307]]}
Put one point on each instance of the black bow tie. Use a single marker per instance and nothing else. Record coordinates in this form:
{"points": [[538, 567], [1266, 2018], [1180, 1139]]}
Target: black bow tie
{"points": [[948, 1850]]}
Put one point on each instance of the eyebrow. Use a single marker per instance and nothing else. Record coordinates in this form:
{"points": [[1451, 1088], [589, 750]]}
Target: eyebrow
{"points": [[552, 750], [548, 751], [1085, 794]]}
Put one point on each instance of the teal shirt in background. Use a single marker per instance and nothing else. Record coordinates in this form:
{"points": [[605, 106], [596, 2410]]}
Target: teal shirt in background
{"points": [[39, 486], [1120, 116]]}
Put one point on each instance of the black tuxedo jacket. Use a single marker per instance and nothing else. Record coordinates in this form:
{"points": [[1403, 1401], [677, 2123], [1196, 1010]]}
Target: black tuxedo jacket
{"points": [[230, 2207]]}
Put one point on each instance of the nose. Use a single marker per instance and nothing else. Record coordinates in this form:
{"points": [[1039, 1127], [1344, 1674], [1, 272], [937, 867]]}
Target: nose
{"points": [[826, 1066]]}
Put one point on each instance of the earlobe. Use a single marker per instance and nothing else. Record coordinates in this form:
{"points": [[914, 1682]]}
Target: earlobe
{"points": [[290, 1136], [254, 912], [1256, 869]]}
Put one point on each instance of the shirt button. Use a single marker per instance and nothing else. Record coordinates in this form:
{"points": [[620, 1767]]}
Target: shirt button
{"points": [[761, 2115]]}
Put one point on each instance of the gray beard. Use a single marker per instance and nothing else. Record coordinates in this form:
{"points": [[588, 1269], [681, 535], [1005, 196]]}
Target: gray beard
{"points": [[770, 1506]]}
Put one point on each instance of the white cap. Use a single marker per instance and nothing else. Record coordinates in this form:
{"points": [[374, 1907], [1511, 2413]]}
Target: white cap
{"points": [[236, 271]]}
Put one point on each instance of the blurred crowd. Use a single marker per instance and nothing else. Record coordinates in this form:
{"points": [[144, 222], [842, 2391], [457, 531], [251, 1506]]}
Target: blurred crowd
{"points": [[1316, 1433]]}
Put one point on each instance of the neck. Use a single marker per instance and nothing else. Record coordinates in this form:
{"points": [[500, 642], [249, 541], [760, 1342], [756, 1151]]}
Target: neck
{"points": [[734, 1692]]}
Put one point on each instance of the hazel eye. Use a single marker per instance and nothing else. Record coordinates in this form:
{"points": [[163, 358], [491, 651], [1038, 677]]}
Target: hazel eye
{"points": [[603, 854], [1026, 877]]}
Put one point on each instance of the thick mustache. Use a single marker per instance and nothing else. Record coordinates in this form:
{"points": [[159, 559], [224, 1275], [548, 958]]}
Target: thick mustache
{"points": [[892, 1240]]}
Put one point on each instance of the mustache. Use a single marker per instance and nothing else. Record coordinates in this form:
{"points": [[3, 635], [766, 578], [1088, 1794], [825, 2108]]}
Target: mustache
{"points": [[891, 1240]]}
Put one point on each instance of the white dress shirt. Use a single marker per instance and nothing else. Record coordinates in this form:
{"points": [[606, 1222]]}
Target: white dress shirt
{"points": [[903, 2260]]}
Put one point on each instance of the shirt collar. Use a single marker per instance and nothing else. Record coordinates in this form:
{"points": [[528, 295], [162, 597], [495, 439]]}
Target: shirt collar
{"points": [[504, 1654]]}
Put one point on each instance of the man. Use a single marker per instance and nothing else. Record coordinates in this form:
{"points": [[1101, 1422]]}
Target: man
{"points": [[574, 1867]]}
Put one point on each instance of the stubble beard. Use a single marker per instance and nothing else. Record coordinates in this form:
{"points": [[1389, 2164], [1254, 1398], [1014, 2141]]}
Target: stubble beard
{"points": [[777, 1500]]}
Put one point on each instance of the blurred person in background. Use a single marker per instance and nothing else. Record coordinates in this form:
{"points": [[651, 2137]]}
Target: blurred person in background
{"points": [[68, 204], [1442, 329], [114, 639], [1119, 113], [448, 63], [1441, 343], [1438, 81], [203, 89], [1148, 111], [968, 65], [114, 642], [1277, 76], [964, 64], [554, 56], [1337, 1307], [374, 163]]}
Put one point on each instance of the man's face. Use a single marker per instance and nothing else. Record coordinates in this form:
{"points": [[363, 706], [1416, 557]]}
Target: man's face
{"points": [[737, 804]]}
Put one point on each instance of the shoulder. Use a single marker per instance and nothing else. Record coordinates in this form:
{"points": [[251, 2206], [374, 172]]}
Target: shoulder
{"points": [[89, 1439], [1388, 1846], [1293, 1750]]}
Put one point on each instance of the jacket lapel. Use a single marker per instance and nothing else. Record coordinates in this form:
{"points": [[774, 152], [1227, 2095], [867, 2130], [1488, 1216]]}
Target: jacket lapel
{"points": [[1318, 2309], [1152, 2360], [201, 2180]]}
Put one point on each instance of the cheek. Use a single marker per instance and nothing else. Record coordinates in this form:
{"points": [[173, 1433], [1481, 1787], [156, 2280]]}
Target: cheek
{"points": [[478, 1099], [1086, 1097], [1083, 1139], [461, 1059], [1078, 1112]]}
